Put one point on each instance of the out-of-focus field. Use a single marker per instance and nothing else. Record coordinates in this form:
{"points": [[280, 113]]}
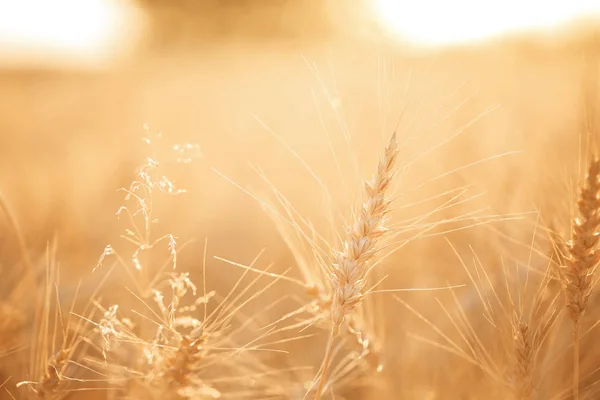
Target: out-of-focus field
{"points": [[70, 138]]}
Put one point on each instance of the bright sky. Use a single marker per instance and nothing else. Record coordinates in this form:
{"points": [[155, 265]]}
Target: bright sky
{"points": [[85, 30], [440, 22], [91, 30]]}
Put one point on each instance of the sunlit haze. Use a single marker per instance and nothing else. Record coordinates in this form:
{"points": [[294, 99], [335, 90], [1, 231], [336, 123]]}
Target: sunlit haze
{"points": [[77, 30], [299, 199], [433, 22]]}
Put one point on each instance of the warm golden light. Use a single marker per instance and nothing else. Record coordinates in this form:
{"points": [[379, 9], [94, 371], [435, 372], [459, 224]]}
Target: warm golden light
{"points": [[77, 30], [434, 22]]}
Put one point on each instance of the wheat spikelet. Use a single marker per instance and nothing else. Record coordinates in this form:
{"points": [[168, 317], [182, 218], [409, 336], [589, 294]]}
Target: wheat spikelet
{"points": [[180, 366], [367, 343]]}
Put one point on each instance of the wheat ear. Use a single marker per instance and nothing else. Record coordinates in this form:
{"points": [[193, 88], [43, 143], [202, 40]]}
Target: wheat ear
{"points": [[524, 353], [349, 271], [582, 258]]}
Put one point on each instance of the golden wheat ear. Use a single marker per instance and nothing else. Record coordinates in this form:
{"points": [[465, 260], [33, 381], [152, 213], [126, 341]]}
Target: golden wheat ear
{"points": [[359, 249], [582, 256], [351, 265]]}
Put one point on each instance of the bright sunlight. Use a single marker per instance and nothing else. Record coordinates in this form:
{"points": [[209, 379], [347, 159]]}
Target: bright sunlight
{"points": [[434, 22], [77, 30]]}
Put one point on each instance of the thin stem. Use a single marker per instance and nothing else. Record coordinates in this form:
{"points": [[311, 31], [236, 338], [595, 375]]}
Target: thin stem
{"points": [[576, 360], [326, 363]]}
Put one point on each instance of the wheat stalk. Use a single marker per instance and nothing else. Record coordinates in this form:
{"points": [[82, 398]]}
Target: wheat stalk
{"points": [[351, 266]]}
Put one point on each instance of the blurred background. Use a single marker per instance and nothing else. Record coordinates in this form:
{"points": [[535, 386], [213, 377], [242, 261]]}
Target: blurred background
{"points": [[80, 78]]}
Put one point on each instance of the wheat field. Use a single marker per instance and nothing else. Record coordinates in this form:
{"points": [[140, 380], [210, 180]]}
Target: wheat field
{"points": [[301, 220]]}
